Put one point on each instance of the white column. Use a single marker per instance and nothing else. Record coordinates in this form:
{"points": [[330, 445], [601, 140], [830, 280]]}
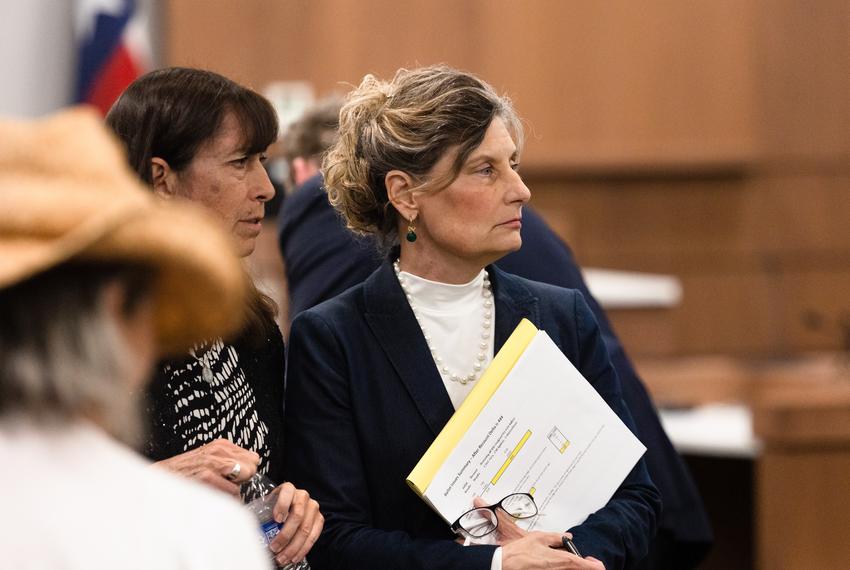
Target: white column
{"points": [[37, 56]]}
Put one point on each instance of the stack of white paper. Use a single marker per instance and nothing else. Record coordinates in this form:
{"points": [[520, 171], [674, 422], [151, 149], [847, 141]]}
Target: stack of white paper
{"points": [[538, 428]]}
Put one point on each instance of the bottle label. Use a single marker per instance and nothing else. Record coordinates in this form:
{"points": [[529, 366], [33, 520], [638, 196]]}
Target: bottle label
{"points": [[270, 530]]}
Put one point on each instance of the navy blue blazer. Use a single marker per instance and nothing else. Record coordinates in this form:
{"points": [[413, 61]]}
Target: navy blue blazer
{"points": [[365, 400], [324, 259]]}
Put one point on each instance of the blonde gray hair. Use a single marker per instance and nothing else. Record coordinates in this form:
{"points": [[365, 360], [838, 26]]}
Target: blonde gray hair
{"points": [[406, 124]]}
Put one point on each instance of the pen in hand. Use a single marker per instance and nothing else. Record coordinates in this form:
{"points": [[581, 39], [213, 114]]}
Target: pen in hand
{"points": [[570, 546]]}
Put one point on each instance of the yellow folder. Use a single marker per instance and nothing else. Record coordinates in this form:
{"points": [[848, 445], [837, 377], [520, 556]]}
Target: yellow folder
{"points": [[430, 463]]}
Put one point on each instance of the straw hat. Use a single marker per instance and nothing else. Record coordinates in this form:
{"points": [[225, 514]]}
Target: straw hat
{"points": [[66, 193]]}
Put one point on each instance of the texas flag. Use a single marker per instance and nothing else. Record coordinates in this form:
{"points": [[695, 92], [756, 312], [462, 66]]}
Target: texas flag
{"points": [[114, 48]]}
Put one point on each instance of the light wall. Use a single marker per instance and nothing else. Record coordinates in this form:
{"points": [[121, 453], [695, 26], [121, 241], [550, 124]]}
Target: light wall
{"points": [[37, 56]]}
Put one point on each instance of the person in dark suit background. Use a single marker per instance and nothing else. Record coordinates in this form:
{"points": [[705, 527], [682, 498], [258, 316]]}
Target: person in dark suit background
{"points": [[323, 259]]}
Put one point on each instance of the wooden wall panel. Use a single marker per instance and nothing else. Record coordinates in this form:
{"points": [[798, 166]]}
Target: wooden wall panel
{"points": [[801, 217], [757, 256], [803, 51], [815, 314], [614, 84], [803, 504], [215, 34], [623, 84], [709, 140], [720, 313], [668, 225], [327, 42], [745, 314], [647, 332], [764, 223]]}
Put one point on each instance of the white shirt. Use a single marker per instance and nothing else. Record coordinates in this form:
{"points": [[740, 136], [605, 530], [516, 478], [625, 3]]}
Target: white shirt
{"points": [[452, 316], [73, 498]]}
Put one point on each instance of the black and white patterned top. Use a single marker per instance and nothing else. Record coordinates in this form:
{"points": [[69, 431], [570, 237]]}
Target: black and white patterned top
{"points": [[220, 390]]}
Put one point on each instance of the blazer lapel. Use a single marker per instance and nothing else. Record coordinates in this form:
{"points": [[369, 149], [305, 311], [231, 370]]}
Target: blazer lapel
{"points": [[514, 302], [391, 319]]}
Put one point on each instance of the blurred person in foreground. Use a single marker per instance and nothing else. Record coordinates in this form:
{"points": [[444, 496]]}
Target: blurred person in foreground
{"points": [[96, 279], [427, 163], [217, 412], [322, 259]]}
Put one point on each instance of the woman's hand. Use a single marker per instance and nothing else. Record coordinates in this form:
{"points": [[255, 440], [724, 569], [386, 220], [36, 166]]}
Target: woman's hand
{"points": [[543, 550], [507, 530], [302, 524], [523, 549], [214, 464]]}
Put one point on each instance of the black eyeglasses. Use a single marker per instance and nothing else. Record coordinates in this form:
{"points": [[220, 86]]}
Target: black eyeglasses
{"points": [[481, 521]]}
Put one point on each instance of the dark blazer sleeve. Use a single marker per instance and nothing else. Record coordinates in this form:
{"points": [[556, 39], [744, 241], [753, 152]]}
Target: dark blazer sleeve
{"points": [[619, 534], [322, 456]]}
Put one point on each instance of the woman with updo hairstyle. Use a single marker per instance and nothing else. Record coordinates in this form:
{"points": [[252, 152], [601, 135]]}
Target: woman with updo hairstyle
{"points": [[427, 163]]}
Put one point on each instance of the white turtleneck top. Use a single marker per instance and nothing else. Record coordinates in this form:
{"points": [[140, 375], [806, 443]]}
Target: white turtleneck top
{"points": [[453, 315]]}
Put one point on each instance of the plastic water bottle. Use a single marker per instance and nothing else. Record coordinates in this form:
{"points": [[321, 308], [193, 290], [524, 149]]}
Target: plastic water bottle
{"points": [[260, 495]]}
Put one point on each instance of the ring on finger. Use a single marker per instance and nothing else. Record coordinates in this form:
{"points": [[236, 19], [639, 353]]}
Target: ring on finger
{"points": [[234, 473]]}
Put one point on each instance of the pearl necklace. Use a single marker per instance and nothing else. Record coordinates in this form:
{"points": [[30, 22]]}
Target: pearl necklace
{"points": [[487, 322]]}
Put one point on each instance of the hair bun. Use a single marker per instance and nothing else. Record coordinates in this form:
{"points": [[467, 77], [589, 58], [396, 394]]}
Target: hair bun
{"points": [[405, 124]]}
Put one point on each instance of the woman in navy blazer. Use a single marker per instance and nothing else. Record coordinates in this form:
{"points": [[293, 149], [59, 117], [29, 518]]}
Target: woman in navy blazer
{"points": [[432, 156]]}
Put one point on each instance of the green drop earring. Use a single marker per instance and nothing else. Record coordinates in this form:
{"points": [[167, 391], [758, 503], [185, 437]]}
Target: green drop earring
{"points": [[411, 231]]}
